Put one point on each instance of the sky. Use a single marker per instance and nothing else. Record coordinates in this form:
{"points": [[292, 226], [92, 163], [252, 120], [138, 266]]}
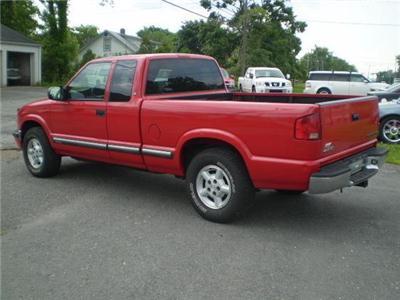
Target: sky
{"points": [[339, 25]]}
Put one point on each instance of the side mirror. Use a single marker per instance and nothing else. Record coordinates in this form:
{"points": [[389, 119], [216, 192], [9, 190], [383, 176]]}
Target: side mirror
{"points": [[56, 93], [366, 81], [287, 76], [251, 76]]}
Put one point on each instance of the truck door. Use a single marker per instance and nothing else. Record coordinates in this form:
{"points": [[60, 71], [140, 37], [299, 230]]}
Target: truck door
{"points": [[340, 84], [78, 123], [123, 116], [247, 81]]}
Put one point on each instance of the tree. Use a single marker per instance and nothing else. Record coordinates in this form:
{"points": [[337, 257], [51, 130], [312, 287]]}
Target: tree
{"points": [[386, 76], [88, 56], [322, 59], [156, 40], [207, 38], [60, 46], [265, 29], [20, 16], [398, 65], [85, 33]]}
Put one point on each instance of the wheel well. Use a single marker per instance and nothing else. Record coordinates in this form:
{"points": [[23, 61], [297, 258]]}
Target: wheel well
{"points": [[28, 125], [324, 88], [195, 146], [388, 116]]}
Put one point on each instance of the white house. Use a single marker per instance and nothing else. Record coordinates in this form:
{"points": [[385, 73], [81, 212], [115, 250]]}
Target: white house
{"points": [[20, 59], [110, 43]]}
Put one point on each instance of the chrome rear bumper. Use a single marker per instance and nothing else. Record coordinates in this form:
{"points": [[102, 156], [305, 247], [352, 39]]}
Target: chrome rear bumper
{"points": [[351, 171]]}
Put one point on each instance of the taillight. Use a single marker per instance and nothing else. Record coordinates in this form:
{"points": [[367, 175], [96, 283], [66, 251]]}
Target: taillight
{"points": [[308, 127]]}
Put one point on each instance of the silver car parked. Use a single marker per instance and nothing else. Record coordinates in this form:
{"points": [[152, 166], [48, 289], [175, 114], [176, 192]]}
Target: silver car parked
{"points": [[389, 115]]}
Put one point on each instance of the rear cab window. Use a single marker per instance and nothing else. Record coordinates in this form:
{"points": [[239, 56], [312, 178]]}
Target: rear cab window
{"points": [[319, 76], [174, 75]]}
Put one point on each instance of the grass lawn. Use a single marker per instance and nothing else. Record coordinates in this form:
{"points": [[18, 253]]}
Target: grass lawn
{"points": [[394, 153], [298, 87]]}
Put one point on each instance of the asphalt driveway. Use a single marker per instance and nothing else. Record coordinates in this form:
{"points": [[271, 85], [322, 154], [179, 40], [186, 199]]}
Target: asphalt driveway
{"points": [[103, 232]]}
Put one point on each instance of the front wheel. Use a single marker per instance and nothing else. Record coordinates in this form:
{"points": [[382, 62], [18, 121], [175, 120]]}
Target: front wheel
{"points": [[389, 130], [219, 185], [324, 91], [40, 159]]}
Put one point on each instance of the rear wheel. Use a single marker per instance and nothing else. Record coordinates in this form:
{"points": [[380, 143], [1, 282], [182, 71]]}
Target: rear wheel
{"points": [[40, 159], [240, 88], [219, 185], [389, 130], [324, 91], [253, 89]]}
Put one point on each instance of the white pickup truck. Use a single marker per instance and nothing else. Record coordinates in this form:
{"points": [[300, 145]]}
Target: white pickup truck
{"points": [[264, 80]]}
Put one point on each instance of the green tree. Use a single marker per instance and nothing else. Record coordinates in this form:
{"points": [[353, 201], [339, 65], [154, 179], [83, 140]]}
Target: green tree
{"points": [[85, 33], [87, 56], [321, 58], [266, 31], [386, 76], [60, 46], [208, 38], [398, 65], [156, 40], [20, 16]]}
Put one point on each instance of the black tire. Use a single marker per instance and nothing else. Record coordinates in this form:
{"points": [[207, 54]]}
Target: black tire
{"points": [[253, 89], [240, 88], [392, 139], [324, 91], [290, 192], [50, 164], [242, 192]]}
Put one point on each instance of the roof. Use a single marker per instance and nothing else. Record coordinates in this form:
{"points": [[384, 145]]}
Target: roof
{"points": [[153, 55], [11, 36], [129, 41], [263, 68], [330, 72]]}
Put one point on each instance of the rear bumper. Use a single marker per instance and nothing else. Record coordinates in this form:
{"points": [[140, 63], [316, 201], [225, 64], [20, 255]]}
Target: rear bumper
{"points": [[351, 171], [17, 134]]}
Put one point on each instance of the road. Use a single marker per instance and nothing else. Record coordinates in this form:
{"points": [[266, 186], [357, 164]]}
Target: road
{"points": [[103, 232]]}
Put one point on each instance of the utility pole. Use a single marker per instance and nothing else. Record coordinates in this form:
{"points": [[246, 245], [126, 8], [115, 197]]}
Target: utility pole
{"points": [[244, 41]]}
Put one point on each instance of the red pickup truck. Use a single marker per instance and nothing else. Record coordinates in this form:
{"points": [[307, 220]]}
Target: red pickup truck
{"points": [[171, 113]]}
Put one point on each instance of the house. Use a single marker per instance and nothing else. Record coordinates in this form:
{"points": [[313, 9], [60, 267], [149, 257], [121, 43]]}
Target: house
{"points": [[20, 59], [110, 43]]}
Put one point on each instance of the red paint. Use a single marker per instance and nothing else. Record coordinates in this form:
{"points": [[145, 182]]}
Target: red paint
{"points": [[273, 138]]}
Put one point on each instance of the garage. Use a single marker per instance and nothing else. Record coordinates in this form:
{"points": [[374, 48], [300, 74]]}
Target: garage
{"points": [[20, 59]]}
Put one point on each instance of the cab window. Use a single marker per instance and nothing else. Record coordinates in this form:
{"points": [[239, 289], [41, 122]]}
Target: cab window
{"points": [[122, 81], [90, 83], [183, 75]]}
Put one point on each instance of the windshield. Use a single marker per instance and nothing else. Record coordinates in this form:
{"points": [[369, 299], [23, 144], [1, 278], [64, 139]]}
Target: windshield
{"points": [[395, 88], [269, 73], [224, 73]]}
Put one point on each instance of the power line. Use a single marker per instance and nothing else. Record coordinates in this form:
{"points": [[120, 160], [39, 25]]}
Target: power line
{"points": [[185, 9]]}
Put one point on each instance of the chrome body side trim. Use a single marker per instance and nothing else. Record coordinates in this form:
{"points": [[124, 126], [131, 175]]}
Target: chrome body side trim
{"points": [[126, 149], [80, 143], [158, 153]]}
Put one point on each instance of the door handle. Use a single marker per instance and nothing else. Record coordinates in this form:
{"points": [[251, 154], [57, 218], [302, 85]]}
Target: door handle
{"points": [[100, 112]]}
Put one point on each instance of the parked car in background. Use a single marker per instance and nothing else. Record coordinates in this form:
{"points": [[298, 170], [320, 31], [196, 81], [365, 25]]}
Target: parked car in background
{"points": [[391, 93], [13, 74], [264, 80], [339, 83], [228, 79], [389, 114]]}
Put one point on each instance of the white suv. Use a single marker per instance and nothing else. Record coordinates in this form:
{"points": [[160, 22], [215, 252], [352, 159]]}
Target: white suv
{"points": [[264, 80], [334, 82]]}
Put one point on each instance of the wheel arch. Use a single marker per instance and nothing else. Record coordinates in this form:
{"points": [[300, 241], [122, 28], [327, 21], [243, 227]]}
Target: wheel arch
{"points": [[33, 121], [198, 140]]}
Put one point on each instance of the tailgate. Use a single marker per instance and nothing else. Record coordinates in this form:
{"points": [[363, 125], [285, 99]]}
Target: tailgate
{"points": [[348, 123]]}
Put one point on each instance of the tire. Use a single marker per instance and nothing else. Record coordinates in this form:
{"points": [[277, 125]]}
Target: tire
{"points": [[290, 192], [253, 89], [389, 130], [227, 181], [240, 89], [324, 91], [39, 157]]}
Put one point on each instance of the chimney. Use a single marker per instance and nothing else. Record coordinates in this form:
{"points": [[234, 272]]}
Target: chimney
{"points": [[122, 31]]}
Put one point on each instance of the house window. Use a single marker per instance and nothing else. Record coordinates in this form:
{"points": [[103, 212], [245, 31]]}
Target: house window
{"points": [[107, 44]]}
